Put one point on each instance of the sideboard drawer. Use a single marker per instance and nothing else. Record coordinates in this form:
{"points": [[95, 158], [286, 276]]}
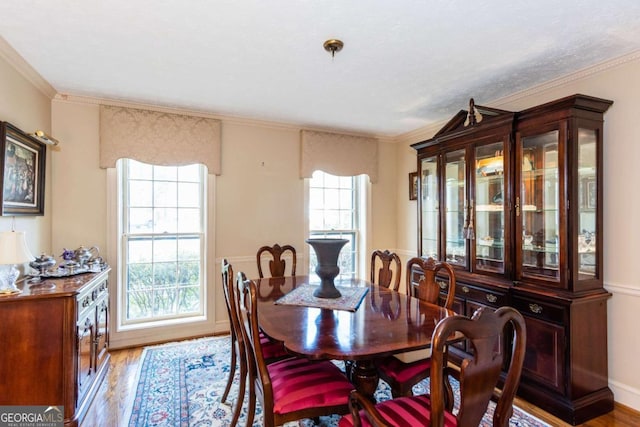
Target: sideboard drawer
{"points": [[539, 309]]}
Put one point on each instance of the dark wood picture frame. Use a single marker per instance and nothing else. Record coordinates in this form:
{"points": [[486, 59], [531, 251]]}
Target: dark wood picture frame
{"points": [[22, 172], [413, 185]]}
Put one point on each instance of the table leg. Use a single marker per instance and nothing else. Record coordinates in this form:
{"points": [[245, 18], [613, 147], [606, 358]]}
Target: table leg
{"points": [[364, 376]]}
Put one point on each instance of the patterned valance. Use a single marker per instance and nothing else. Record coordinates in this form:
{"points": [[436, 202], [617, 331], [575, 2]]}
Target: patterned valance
{"points": [[158, 138], [338, 154]]}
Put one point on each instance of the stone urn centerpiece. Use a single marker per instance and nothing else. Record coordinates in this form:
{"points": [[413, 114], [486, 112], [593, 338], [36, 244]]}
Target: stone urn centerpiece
{"points": [[327, 252]]}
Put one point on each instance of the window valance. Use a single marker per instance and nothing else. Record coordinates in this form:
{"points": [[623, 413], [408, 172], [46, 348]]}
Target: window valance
{"points": [[158, 138], [338, 154]]}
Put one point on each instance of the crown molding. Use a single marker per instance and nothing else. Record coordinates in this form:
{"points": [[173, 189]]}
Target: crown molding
{"points": [[563, 80], [9, 54], [419, 134]]}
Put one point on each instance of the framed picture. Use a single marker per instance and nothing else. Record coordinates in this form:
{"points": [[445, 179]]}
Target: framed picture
{"points": [[413, 186], [21, 172]]}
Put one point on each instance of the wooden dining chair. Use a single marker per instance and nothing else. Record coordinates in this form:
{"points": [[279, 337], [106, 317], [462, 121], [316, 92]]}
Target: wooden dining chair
{"points": [[399, 371], [479, 376], [272, 350], [388, 267], [277, 265], [290, 389]]}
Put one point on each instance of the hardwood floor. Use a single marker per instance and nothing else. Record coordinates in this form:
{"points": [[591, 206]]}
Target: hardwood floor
{"points": [[118, 390]]}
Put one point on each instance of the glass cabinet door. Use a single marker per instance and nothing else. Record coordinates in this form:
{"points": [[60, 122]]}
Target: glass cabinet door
{"points": [[429, 207], [538, 206], [587, 203], [489, 208], [456, 212]]}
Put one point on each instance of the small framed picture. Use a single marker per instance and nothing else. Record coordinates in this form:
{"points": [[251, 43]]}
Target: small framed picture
{"points": [[21, 172], [413, 186]]}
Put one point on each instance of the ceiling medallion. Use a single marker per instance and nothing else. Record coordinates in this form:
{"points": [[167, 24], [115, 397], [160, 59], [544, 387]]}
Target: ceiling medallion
{"points": [[333, 46]]}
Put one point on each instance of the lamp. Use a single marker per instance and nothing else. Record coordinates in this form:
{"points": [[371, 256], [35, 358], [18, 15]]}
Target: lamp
{"points": [[13, 250], [44, 137]]}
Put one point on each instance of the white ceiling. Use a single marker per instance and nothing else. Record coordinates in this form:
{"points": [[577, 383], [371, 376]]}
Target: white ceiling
{"points": [[405, 63]]}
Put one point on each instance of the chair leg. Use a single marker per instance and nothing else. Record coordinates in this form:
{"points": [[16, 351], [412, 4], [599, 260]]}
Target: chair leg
{"points": [[241, 389], [232, 369], [251, 412]]}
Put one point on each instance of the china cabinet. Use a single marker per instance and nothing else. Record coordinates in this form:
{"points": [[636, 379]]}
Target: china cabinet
{"points": [[513, 200], [55, 337]]}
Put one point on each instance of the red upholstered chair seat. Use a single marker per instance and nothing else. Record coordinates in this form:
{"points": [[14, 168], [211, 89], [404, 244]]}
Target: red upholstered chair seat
{"points": [[272, 350], [402, 372], [411, 411], [299, 383]]}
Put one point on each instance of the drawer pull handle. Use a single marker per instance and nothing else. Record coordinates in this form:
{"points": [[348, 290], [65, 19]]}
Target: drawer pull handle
{"points": [[535, 308], [443, 285], [491, 298], [465, 289]]}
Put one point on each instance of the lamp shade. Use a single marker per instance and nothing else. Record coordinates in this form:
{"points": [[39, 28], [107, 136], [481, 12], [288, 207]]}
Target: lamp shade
{"points": [[13, 248]]}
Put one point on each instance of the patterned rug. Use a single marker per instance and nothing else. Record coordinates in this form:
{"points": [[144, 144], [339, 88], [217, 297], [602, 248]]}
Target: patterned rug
{"points": [[350, 299], [180, 384]]}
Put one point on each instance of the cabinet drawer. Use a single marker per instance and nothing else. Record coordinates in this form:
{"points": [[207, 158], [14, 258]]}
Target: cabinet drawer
{"points": [[538, 309], [484, 296]]}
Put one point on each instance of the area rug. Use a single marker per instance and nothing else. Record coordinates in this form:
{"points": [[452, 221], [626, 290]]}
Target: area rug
{"points": [[350, 299], [180, 384]]}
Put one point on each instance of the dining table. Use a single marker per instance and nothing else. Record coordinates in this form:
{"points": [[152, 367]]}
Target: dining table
{"points": [[385, 322]]}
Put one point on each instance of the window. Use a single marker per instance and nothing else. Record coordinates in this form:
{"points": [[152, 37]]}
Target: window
{"points": [[334, 212], [162, 242]]}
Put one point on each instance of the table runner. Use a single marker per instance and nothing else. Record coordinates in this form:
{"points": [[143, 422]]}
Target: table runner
{"points": [[303, 296]]}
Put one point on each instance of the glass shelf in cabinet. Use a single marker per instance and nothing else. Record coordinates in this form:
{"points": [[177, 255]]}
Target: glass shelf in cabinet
{"points": [[487, 258], [489, 208], [547, 249], [488, 241]]}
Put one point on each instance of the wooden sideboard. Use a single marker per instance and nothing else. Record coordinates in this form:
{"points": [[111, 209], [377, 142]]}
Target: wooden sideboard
{"points": [[54, 339]]}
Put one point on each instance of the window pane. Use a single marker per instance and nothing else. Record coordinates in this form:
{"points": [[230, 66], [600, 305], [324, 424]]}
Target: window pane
{"points": [[189, 173], [165, 173], [331, 181], [188, 194], [139, 170], [140, 193], [188, 273], [140, 276], [164, 249], [166, 220], [316, 198], [188, 220], [140, 220], [331, 199], [189, 299], [189, 248], [164, 273], [346, 199], [140, 304], [140, 250], [165, 194], [164, 302]]}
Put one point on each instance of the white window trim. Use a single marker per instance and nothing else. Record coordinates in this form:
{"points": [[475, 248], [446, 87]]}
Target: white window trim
{"points": [[192, 327]]}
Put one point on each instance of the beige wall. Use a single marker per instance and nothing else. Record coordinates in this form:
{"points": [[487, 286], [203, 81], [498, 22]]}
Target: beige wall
{"points": [[621, 227], [79, 185], [26, 107], [259, 197]]}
